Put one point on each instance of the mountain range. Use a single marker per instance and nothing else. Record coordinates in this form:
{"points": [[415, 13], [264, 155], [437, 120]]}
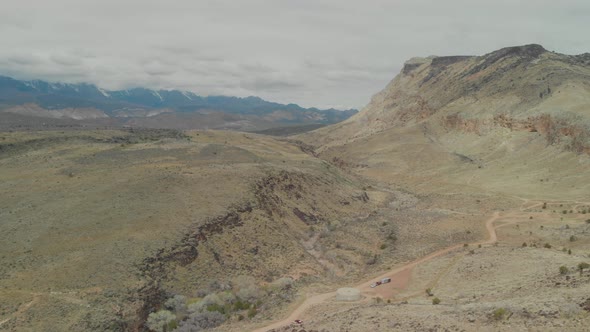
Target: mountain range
{"points": [[143, 107]]}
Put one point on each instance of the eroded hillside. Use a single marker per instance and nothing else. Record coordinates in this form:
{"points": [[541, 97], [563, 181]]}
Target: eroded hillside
{"points": [[99, 228], [515, 121]]}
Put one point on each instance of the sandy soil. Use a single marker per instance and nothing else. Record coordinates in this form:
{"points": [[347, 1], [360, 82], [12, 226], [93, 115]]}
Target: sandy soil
{"points": [[530, 212]]}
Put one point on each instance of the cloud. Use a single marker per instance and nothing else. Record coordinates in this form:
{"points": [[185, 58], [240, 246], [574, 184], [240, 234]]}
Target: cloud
{"points": [[314, 53]]}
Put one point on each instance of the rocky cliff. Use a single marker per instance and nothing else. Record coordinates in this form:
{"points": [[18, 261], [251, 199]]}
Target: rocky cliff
{"points": [[518, 110], [521, 88]]}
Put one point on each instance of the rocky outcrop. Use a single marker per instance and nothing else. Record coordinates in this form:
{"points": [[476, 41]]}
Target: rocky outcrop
{"points": [[576, 137], [523, 88]]}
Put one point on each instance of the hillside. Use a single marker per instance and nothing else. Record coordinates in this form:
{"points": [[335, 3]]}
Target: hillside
{"points": [[466, 180], [507, 131], [90, 105], [516, 120]]}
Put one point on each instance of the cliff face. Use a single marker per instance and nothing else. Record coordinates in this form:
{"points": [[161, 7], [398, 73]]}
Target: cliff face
{"points": [[512, 98], [518, 84]]}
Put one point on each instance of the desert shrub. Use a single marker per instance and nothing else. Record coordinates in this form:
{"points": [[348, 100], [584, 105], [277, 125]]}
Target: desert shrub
{"points": [[246, 288], [499, 313], [564, 211], [547, 245], [429, 291], [588, 221], [201, 321], [563, 270], [281, 283], [524, 244], [176, 303], [582, 266], [252, 312], [241, 305], [216, 307], [436, 301], [569, 251], [392, 237], [372, 260], [211, 299], [227, 297], [573, 238], [383, 246], [160, 321]]}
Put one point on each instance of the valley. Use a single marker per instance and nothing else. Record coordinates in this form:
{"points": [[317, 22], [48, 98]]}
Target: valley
{"points": [[464, 181]]}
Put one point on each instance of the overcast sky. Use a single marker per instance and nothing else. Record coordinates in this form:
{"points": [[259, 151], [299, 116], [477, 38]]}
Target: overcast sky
{"points": [[311, 52]]}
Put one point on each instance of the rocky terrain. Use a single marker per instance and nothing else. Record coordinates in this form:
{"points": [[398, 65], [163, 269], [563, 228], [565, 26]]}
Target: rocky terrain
{"points": [[464, 181]]}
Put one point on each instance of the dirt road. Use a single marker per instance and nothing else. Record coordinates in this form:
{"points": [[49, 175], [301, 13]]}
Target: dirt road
{"points": [[400, 273]]}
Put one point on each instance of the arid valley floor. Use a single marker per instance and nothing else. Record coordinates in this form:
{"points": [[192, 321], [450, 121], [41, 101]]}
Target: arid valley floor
{"points": [[466, 181]]}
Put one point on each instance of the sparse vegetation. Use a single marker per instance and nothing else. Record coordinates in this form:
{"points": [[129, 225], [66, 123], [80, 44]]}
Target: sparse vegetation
{"points": [[201, 321], [499, 314], [161, 321], [435, 301], [252, 312], [582, 266], [563, 270]]}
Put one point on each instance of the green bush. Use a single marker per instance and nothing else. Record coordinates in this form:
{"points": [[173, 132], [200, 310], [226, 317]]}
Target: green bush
{"points": [[499, 313], [159, 321], [435, 301], [241, 305], [216, 307], [582, 266], [252, 312], [563, 270]]}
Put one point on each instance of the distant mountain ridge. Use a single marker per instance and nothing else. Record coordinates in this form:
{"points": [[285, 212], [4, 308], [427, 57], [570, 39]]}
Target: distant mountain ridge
{"points": [[34, 97]]}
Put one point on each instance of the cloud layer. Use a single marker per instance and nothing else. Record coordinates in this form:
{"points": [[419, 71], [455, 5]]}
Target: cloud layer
{"points": [[315, 53]]}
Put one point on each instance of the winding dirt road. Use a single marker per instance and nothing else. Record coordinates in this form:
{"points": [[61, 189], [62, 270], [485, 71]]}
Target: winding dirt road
{"points": [[399, 273]]}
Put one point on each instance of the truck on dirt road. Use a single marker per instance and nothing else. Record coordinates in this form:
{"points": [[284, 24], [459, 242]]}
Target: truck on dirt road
{"points": [[381, 282]]}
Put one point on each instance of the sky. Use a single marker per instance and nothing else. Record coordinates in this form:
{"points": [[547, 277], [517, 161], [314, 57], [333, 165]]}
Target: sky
{"points": [[321, 53]]}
